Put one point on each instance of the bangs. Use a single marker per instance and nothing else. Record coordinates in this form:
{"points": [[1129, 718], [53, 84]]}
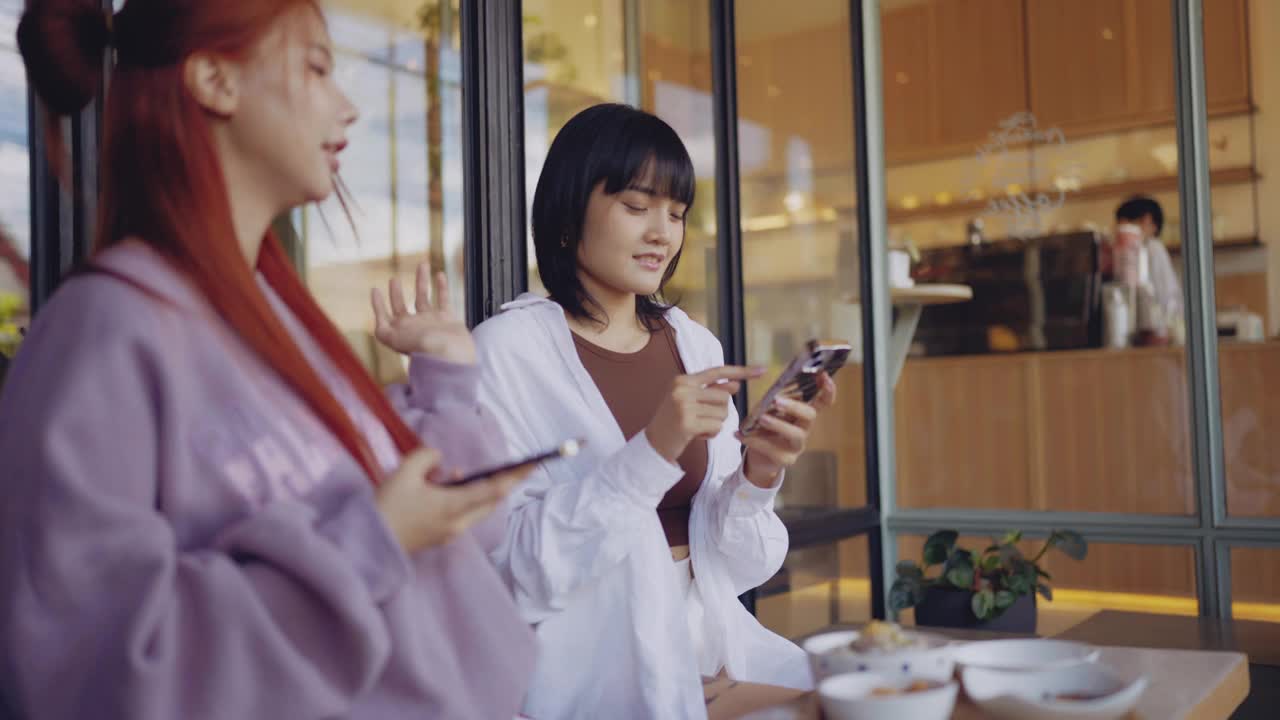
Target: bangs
{"points": [[651, 159]]}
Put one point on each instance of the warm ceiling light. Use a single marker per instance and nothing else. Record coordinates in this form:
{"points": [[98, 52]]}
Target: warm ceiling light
{"points": [[590, 21], [910, 202]]}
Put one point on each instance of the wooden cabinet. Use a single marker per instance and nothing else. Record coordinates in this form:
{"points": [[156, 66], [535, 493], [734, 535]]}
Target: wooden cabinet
{"points": [[1226, 56], [907, 81], [1104, 65], [951, 70], [1086, 61], [981, 77]]}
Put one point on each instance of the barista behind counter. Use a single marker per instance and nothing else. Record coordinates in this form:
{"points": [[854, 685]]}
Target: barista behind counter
{"points": [[1147, 214]]}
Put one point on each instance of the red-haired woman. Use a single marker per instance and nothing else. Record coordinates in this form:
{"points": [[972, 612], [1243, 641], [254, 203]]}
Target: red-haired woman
{"points": [[208, 508]]}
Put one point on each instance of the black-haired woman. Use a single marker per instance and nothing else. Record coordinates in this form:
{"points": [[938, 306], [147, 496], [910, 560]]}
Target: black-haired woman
{"points": [[629, 558]]}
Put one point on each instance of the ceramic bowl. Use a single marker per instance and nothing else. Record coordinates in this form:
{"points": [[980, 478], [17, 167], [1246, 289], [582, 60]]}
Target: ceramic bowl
{"points": [[848, 697], [1100, 692], [830, 654], [1029, 654]]}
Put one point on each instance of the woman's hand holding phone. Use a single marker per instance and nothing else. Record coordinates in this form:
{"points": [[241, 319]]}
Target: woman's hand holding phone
{"points": [[783, 433], [695, 407], [422, 513]]}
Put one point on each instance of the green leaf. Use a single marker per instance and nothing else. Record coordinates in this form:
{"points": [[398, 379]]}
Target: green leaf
{"points": [[939, 545], [908, 569], [1071, 543], [983, 604], [990, 563], [1011, 537], [1046, 591], [1004, 599], [1020, 582], [905, 593], [1009, 554], [961, 577]]}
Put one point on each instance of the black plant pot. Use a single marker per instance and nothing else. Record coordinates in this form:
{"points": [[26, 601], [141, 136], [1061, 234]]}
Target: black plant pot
{"points": [[950, 608]]}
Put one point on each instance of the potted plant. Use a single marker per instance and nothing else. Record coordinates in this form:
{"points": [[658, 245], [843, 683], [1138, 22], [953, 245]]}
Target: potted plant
{"points": [[994, 590]]}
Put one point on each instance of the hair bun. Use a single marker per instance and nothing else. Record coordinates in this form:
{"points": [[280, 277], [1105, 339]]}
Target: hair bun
{"points": [[62, 44]]}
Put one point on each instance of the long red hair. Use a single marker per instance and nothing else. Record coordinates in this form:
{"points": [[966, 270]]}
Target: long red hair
{"points": [[163, 184]]}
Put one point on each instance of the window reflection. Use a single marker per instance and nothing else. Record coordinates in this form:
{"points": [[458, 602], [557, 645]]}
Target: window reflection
{"points": [[15, 208], [654, 55], [399, 64]]}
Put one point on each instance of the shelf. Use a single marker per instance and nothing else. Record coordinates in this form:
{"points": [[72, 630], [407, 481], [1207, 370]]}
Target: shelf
{"points": [[1223, 176], [1231, 243]]}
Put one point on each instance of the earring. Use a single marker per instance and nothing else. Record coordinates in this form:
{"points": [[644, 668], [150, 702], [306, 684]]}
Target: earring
{"points": [[564, 241]]}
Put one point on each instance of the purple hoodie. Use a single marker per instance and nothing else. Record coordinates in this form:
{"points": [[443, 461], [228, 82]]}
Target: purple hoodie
{"points": [[181, 538]]}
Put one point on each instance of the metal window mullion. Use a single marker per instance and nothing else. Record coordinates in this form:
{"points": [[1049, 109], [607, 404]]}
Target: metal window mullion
{"points": [[1197, 255], [724, 120], [493, 147], [63, 217], [869, 182], [724, 93]]}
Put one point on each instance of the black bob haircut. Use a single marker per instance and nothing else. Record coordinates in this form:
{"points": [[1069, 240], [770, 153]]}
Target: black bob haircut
{"points": [[623, 147], [1138, 207]]}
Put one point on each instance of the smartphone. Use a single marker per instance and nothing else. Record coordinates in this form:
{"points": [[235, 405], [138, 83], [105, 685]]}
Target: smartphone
{"points": [[568, 448], [799, 380]]}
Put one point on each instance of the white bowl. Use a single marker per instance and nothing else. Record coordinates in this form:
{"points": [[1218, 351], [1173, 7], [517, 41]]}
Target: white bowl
{"points": [[1029, 654], [830, 654], [848, 697], [1032, 695]]}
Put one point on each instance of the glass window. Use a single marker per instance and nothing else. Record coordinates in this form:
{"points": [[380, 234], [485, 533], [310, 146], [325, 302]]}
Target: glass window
{"points": [[400, 66], [819, 586], [1042, 364], [654, 55], [15, 202], [1255, 583], [1243, 67], [800, 260], [1241, 60]]}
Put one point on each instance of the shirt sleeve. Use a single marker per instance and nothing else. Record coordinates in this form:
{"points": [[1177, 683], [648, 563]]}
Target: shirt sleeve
{"points": [[747, 535], [440, 402], [562, 536]]}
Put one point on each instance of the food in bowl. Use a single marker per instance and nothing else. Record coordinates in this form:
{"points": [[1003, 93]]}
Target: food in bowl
{"points": [[1078, 696], [875, 696], [886, 648], [878, 636], [911, 687]]}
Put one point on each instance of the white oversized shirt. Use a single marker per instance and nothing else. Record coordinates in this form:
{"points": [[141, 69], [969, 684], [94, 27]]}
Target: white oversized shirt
{"points": [[584, 552]]}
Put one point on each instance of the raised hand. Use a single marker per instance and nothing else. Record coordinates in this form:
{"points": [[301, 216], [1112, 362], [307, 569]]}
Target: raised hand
{"points": [[431, 329]]}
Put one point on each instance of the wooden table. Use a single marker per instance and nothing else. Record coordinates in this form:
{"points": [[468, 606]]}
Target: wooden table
{"points": [[1184, 684], [910, 303]]}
